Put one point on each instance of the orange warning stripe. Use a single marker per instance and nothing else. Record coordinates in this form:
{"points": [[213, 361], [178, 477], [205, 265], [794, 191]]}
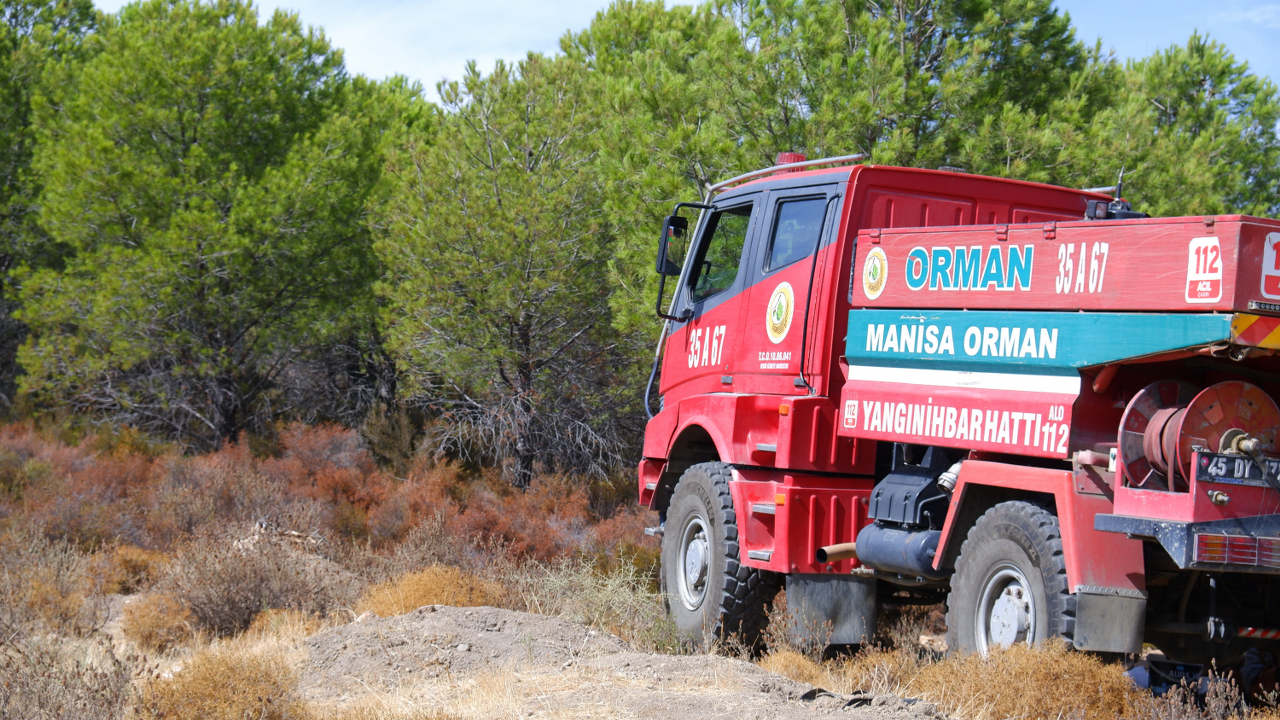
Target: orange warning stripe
{"points": [[1255, 330]]}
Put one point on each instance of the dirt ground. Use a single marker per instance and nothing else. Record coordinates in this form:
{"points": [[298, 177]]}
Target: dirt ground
{"points": [[491, 663]]}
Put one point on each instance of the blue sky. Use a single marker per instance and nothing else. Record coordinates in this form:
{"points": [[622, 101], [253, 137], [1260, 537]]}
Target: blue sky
{"points": [[429, 40]]}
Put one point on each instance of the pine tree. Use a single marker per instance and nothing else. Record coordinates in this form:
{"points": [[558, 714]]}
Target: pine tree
{"points": [[208, 176], [495, 247]]}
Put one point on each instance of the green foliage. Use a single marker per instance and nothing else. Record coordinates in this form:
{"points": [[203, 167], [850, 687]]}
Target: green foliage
{"points": [[208, 176], [1193, 129], [494, 247], [32, 34], [1206, 130]]}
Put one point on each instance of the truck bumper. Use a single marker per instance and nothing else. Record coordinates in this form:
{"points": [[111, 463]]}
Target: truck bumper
{"points": [[1247, 544]]}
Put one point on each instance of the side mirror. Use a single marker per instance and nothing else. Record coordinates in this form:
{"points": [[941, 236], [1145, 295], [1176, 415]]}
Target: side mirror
{"points": [[673, 227]]}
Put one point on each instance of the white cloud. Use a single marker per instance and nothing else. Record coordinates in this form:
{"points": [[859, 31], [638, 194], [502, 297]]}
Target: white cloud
{"points": [[1267, 16]]}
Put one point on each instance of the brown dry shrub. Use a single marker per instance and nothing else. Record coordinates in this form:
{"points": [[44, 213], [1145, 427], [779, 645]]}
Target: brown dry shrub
{"points": [[225, 684], [47, 679], [279, 623], [226, 582], [47, 584], [1046, 682], [156, 622], [873, 670], [1028, 682], [801, 668], [436, 585], [128, 569]]}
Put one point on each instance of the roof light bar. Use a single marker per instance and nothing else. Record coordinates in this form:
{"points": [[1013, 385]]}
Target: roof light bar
{"points": [[842, 160]]}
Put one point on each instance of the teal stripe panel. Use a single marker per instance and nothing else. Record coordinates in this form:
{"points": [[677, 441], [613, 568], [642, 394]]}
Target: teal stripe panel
{"points": [[1021, 341]]}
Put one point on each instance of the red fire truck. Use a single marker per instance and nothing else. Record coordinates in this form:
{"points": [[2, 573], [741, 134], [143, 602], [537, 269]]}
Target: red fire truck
{"points": [[890, 385]]}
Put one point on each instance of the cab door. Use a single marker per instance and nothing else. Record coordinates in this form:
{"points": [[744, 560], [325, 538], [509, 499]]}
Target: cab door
{"points": [[700, 351], [796, 233]]}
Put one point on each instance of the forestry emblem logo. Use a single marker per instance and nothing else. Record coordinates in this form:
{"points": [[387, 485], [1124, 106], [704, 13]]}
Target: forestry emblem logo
{"points": [[782, 305], [874, 273]]}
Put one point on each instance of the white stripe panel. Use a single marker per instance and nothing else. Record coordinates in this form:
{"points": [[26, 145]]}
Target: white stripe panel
{"points": [[1061, 384]]}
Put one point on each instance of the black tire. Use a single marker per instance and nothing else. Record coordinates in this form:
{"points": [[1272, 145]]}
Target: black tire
{"points": [[1014, 550], [732, 600]]}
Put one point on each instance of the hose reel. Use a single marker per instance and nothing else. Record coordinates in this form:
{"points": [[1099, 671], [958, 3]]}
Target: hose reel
{"points": [[1168, 419]]}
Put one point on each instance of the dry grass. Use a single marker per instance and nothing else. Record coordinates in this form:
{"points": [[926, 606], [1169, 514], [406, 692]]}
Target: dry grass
{"points": [[1028, 682], [874, 670], [225, 683], [156, 622], [380, 713], [130, 570], [1020, 682], [1051, 682], [436, 585], [284, 625]]}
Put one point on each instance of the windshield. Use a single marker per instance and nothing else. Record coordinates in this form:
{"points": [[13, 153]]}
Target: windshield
{"points": [[721, 254]]}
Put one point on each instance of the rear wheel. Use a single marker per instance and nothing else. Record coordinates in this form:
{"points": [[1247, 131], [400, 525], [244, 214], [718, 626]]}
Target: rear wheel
{"points": [[709, 592], [1010, 583]]}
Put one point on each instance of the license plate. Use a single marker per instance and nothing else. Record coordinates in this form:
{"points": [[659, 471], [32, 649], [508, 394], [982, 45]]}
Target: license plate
{"points": [[1234, 469]]}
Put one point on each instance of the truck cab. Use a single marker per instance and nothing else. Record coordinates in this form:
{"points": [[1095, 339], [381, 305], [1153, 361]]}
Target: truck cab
{"points": [[882, 384]]}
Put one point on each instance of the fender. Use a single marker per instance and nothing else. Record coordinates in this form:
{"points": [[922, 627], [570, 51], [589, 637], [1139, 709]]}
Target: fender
{"points": [[743, 427], [1094, 559], [743, 430], [660, 432]]}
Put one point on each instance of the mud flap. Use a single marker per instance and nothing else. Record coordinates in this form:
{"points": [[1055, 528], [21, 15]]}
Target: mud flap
{"points": [[1109, 619], [843, 604]]}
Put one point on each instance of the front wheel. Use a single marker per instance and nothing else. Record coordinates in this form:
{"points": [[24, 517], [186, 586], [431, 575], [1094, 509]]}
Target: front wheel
{"points": [[709, 592], [1010, 583]]}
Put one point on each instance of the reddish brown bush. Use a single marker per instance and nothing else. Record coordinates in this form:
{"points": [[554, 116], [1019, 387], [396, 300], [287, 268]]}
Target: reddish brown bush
{"points": [[122, 489], [549, 520]]}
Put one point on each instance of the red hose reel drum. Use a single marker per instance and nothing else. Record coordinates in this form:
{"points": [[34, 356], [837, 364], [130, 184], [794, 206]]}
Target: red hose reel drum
{"points": [[1166, 419]]}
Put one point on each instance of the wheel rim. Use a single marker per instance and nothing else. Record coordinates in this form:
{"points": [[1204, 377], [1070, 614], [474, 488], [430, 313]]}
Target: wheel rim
{"points": [[1006, 612], [695, 562]]}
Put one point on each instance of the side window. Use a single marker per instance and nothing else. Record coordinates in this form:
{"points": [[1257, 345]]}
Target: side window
{"points": [[721, 254], [795, 231]]}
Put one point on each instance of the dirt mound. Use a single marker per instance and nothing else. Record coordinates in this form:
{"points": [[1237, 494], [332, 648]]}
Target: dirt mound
{"points": [[484, 662], [440, 641]]}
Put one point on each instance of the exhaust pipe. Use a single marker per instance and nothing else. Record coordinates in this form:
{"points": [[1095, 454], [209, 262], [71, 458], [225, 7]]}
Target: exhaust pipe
{"points": [[836, 553]]}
